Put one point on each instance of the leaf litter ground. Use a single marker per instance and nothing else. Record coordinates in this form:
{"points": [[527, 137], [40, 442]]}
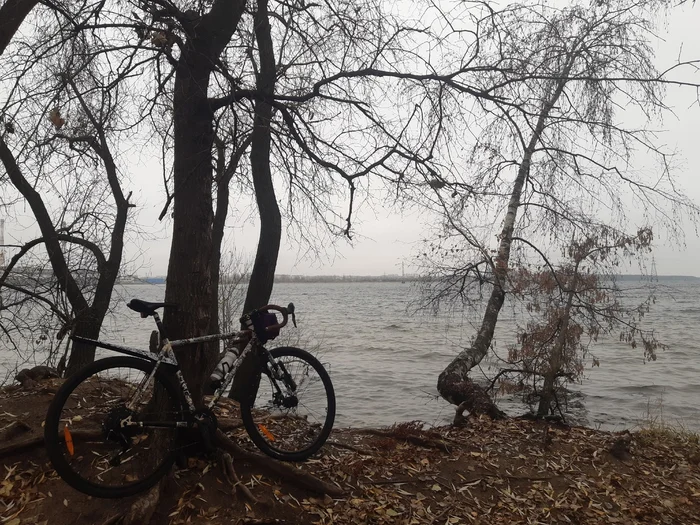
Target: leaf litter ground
{"points": [[489, 472]]}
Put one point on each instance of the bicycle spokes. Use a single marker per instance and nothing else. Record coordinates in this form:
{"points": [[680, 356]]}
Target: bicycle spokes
{"points": [[290, 406], [103, 441]]}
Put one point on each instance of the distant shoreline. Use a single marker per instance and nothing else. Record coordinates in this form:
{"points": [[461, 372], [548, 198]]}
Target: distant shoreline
{"points": [[392, 278]]}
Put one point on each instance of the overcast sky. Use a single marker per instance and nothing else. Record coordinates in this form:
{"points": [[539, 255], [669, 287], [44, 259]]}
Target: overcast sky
{"points": [[385, 237]]}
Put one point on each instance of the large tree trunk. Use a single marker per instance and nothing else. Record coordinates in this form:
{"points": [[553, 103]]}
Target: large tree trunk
{"points": [[454, 384], [88, 325], [90, 322], [189, 281], [263, 275]]}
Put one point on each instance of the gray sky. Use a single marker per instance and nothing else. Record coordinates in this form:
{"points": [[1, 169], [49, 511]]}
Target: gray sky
{"points": [[384, 237]]}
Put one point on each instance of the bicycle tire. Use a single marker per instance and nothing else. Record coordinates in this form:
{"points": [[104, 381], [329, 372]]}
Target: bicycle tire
{"points": [[76, 387], [262, 437]]}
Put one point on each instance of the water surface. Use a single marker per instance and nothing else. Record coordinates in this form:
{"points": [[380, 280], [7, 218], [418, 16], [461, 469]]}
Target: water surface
{"points": [[385, 363]]}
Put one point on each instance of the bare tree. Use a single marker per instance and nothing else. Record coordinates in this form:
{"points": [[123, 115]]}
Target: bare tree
{"points": [[295, 72], [83, 235], [232, 289], [551, 151]]}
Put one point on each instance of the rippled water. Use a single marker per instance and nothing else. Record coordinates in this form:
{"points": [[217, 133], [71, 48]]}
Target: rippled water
{"points": [[384, 363]]}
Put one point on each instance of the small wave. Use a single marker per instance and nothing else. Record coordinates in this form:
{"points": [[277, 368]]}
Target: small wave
{"points": [[643, 389], [690, 310], [691, 388]]}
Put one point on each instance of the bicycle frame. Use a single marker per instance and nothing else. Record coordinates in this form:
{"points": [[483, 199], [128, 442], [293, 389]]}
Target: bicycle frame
{"points": [[166, 356]]}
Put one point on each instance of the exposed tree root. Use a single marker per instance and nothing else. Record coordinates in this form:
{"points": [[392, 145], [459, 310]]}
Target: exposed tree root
{"points": [[347, 446], [227, 425], [400, 434], [297, 476], [36, 442], [29, 377], [113, 520], [460, 419], [13, 430], [456, 387], [141, 510], [230, 474]]}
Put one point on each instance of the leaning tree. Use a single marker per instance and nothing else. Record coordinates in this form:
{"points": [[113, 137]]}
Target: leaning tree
{"points": [[551, 157]]}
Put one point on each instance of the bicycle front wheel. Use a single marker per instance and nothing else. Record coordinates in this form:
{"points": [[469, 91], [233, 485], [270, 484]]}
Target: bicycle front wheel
{"points": [[93, 437], [289, 415]]}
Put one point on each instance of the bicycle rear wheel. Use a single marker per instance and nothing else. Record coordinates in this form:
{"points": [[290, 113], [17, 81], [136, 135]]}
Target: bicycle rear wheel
{"points": [[293, 423], [85, 436]]}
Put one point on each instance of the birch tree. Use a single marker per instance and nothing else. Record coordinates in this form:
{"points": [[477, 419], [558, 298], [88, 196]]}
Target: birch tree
{"points": [[552, 156]]}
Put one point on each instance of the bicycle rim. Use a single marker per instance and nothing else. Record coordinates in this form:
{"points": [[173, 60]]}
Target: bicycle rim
{"points": [[85, 436], [293, 425]]}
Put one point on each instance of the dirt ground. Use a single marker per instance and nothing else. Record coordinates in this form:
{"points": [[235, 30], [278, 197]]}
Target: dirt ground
{"points": [[489, 472]]}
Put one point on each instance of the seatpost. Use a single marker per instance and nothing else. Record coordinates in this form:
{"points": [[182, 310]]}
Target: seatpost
{"points": [[161, 328]]}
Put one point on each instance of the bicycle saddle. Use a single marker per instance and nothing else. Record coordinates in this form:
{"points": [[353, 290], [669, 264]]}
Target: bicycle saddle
{"points": [[144, 307]]}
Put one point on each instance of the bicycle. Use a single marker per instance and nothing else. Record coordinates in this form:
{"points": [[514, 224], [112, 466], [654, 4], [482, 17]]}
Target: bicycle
{"points": [[110, 434]]}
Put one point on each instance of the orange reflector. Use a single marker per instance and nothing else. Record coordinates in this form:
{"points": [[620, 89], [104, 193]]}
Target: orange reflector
{"points": [[267, 433], [69, 440]]}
